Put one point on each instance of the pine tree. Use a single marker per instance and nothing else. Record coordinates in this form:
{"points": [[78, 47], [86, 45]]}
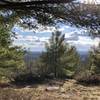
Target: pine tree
{"points": [[11, 57], [95, 60], [91, 72], [60, 58]]}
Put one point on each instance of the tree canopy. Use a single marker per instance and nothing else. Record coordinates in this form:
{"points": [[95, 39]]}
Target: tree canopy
{"points": [[19, 4], [60, 58], [11, 57], [48, 12]]}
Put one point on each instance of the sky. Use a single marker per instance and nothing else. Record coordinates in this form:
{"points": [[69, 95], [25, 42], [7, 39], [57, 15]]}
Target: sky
{"points": [[35, 41]]}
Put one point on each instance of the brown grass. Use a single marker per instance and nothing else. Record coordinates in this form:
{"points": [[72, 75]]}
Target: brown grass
{"points": [[68, 90]]}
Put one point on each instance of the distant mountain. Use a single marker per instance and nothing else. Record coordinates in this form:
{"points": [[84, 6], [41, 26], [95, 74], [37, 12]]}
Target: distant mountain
{"points": [[29, 56], [83, 55]]}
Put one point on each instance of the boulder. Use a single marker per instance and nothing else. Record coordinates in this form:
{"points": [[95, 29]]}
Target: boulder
{"points": [[52, 88]]}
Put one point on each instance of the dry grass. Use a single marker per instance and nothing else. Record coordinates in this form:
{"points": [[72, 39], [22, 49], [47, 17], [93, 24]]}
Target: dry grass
{"points": [[68, 90]]}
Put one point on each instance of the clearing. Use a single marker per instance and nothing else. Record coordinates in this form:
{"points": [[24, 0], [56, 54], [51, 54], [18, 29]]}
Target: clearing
{"points": [[53, 90]]}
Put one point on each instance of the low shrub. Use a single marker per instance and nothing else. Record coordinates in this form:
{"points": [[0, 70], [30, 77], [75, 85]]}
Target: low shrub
{"points": [[89, 78], [27, 78]]}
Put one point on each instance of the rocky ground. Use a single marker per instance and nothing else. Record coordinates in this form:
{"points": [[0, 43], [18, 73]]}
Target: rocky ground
{"points": [[53, 90]]}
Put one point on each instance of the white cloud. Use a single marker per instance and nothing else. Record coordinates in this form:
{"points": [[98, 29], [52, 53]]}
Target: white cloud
{"points": [[45, 29], [88, 41], [74, 36], [33, 42], [30, 41], [40, 29], [85, 43], [20, 36]]}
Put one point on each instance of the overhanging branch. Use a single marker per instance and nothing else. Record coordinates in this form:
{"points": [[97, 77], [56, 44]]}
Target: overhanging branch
{"points": [[28, 4]]}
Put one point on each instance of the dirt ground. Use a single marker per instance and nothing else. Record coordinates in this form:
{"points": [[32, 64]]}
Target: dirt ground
{"points": [[54, 90]]}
